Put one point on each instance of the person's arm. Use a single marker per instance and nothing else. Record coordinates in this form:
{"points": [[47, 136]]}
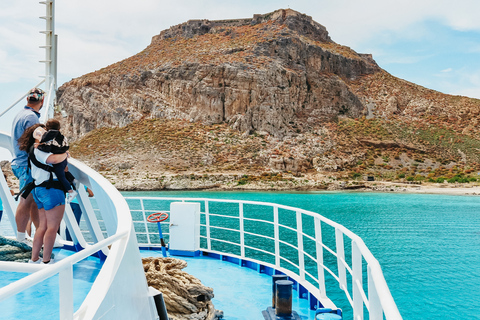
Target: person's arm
{"points": [[56, 158], [59, 169]]}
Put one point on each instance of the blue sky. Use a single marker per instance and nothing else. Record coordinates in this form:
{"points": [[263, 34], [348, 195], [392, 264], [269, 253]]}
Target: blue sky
{"points": [[433, 43]]}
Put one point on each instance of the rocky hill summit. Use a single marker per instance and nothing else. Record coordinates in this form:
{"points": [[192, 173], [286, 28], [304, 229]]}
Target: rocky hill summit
{"points": [[274, 73], [252, 99]]}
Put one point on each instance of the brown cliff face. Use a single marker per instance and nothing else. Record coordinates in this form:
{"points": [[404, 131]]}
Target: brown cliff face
{"points": [[276, 73], [286, 97]]}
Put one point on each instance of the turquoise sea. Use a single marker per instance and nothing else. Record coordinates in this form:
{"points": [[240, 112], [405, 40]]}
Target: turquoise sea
{"points": [[428, 245]]}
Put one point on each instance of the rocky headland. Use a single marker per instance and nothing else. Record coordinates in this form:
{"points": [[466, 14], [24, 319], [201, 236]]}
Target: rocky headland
{"points": [[267, 103]]}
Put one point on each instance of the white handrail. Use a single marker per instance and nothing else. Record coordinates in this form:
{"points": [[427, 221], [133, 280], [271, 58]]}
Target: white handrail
{"points": [[20, 99], [122, 268], [43, 271], [379, 302]]}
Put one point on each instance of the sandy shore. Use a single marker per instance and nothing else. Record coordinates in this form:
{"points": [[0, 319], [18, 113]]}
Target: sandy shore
{"points": [[434, 188], [230, 182]]}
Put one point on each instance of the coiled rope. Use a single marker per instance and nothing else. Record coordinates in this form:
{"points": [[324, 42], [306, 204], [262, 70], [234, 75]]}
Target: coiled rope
{"points": [[12, 250], [184, 295]]}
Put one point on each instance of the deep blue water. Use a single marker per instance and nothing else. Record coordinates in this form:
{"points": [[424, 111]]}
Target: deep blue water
{"points": [[428, 245]]}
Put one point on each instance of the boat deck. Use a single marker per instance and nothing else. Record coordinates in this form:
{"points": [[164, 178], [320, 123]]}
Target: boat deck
{"points": [[241, 293], [41, 301]]}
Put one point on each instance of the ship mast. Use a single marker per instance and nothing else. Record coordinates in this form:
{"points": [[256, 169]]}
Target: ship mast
{"points": [[50, 58], [50, 77], [50, 80]]}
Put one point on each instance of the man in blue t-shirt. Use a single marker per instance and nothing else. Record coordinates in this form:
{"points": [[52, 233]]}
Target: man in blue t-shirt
{"points": [[27, 117]]}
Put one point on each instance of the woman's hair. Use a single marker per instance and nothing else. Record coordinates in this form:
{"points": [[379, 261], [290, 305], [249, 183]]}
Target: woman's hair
{"points": [[52, 124], [27, 140]]}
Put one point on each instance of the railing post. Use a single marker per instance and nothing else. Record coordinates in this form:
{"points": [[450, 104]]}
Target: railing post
{"points": [[65, 277], [242, 234], [142, 206], [207, 224], [375, 311], [9, 205], [342, 271], [301, 257], [74, 227], [357, 282], [277, 236], [90, 217], [319, 247]]}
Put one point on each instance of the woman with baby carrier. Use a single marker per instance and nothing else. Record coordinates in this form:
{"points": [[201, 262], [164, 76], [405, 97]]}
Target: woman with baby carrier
{"points": [[48, 192]]}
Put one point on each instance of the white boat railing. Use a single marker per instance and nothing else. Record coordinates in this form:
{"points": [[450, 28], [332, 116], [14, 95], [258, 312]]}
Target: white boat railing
{"points": [[122, 268], [289, 240], [120, 289]]}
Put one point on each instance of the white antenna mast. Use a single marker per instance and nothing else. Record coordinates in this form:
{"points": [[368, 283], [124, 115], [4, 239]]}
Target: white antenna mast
{"points": [[50, 58], [50, 78]]}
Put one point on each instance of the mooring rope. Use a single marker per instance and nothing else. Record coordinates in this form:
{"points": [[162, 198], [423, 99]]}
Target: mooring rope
{"points": [[184, 295], [12, 250]]}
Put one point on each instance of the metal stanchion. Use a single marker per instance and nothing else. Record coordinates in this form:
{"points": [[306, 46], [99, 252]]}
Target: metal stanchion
{"points": [[275, 278]]}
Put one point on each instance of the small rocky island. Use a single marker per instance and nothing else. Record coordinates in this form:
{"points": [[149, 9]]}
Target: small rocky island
{"points": [[266, 103]]}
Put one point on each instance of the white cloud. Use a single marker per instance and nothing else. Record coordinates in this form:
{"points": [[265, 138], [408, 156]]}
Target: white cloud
{"points": [[473, 92], [96, 33], [447, 70], [461, 15], [404, 59], [465, 82], [78, 55]]}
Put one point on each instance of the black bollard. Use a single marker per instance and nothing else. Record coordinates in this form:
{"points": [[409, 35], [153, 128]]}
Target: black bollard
{"points": [[161, 308], [275, 278], [283, 300]]}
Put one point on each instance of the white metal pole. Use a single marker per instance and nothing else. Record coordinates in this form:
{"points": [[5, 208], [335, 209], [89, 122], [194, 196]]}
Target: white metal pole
{"points": [[207, 223], [277, 236], [375, 311], [145, 222], [50, 56], [242, 231], [357, 281], [342, 272], [320, 267], [301, 258]]}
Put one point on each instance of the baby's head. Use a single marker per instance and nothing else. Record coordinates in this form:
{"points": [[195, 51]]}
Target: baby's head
{"points": [[52, 124], [38, 133]]}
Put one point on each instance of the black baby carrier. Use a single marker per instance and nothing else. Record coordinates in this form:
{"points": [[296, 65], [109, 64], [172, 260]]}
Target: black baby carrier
{"points": [[48, 184], [53, 141]]}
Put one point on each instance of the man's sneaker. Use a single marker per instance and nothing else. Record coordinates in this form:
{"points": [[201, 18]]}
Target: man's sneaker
{"points": [[35, 262], [71, 195], [27, 241], [52, 261]]}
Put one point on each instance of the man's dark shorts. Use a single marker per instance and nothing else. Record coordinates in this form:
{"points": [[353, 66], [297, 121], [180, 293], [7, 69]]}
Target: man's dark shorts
{"points": [[23, 174]]}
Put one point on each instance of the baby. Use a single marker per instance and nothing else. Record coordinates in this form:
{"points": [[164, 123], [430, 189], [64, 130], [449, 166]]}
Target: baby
{"points": [[52, 141]]}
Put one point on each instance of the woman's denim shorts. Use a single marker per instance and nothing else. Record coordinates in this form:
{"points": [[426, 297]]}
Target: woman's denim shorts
{"points": [[48, 198]]}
